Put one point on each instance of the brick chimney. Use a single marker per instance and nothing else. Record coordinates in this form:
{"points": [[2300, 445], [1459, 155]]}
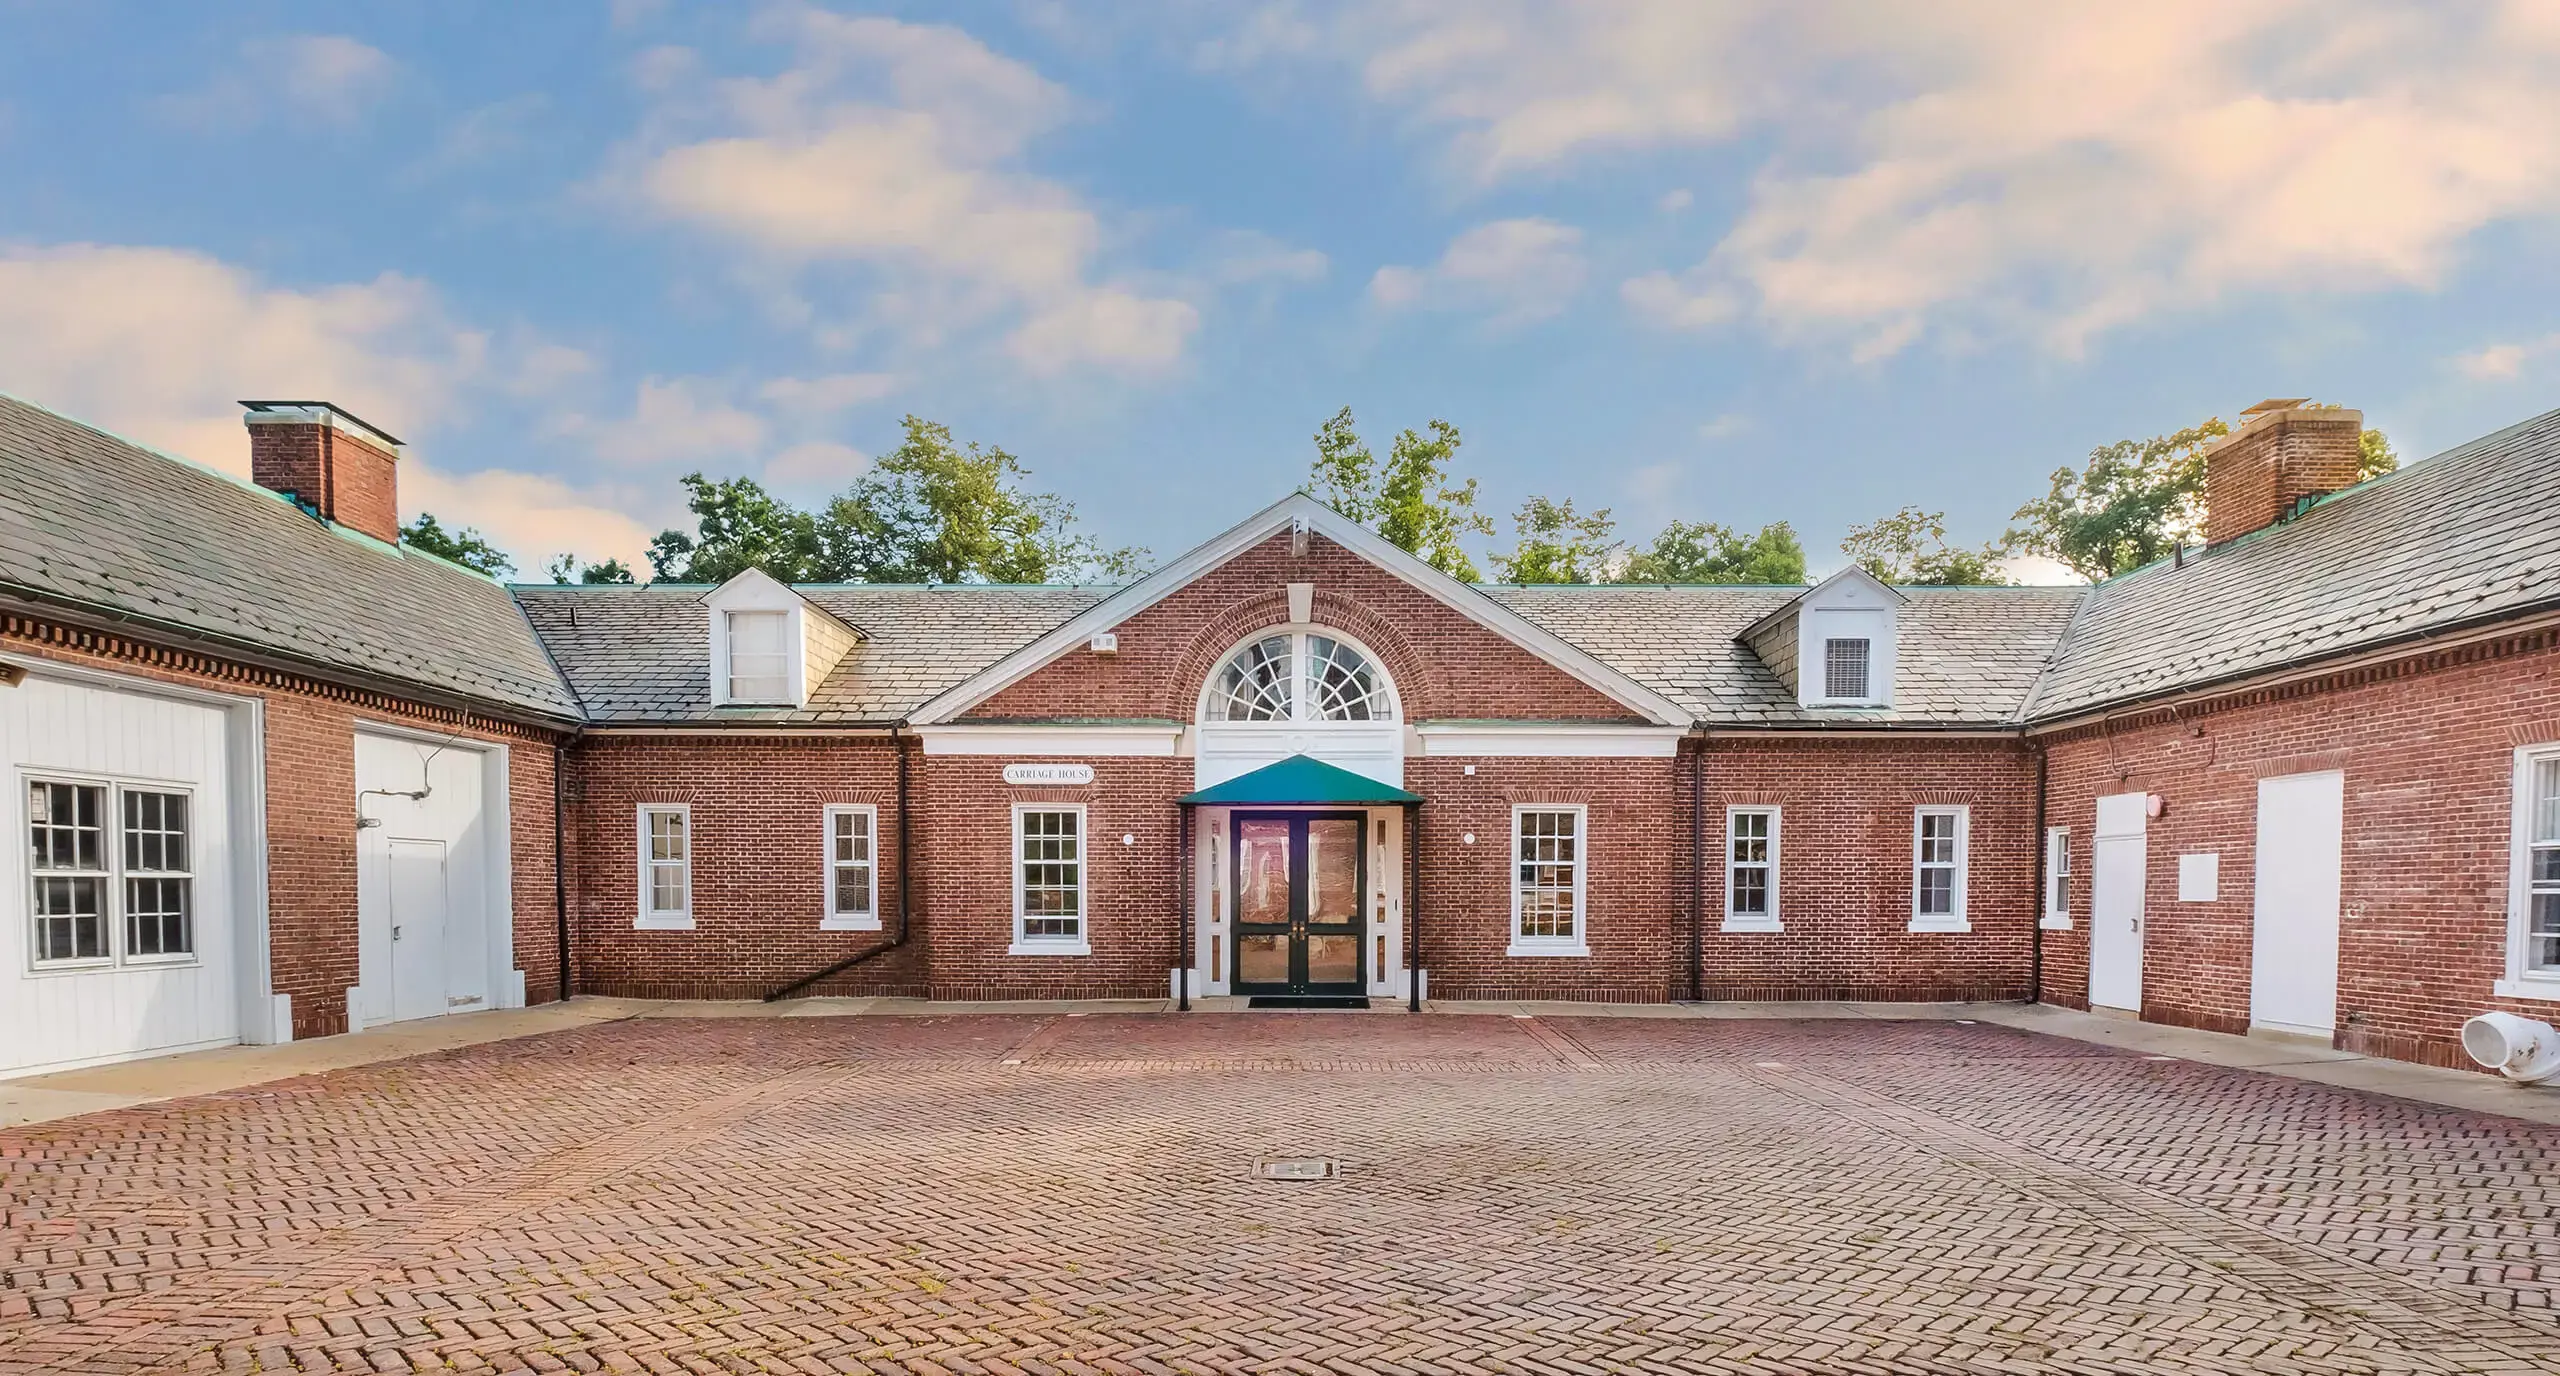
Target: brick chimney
{"points": [[2285, 450], [328, 460]]}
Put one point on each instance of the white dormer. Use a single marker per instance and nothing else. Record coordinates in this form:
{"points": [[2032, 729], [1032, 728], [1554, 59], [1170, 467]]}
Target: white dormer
{"points": [[770, 646], [1834, 645]]}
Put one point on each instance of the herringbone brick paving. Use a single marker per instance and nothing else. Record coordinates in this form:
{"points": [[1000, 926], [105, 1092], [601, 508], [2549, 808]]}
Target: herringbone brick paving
{"points": [[1574, 1195]]}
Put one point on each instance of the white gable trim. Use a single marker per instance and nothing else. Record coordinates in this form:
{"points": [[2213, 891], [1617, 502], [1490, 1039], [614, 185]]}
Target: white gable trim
{"points": [[1298, 511], [1811, 594]]}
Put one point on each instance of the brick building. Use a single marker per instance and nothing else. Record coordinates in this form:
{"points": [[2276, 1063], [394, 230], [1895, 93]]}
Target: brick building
{"points": [[282, 775]]}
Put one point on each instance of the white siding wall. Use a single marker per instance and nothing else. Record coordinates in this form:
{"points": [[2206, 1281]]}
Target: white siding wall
{"points": [[56, 1019]]}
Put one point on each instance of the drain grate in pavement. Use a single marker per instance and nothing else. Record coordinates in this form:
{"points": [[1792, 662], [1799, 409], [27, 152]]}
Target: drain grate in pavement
{"points": [[1294, 1168]]}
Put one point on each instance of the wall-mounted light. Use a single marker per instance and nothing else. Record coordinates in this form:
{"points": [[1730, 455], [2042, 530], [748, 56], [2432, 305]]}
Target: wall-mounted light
{"points": [[1467, 839], [11, 675]]}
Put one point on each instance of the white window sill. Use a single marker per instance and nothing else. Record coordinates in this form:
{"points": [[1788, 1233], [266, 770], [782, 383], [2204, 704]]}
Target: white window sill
{"points": [[1049, 946], [2055, 922], [663, 924], [1951, 924], [1547, 947], [71, 967], [850, 922], [1736, 922], [2545, 988]]}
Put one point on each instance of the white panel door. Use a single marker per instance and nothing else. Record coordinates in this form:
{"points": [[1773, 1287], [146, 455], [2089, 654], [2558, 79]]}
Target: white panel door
{"points": [[419, 911], [2121, 853], [2293, 962]]}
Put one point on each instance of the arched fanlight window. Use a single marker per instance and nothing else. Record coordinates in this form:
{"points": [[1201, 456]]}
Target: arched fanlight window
{"points": [[1299, 676]]}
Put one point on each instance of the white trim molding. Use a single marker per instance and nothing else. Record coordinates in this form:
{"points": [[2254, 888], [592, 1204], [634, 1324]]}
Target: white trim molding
{"points": [[1549, 740], [2523, 980], [1579, 943], [645, 918], [1069, 741], [832, 918], [1298, 511], [1080, 944], [1762, 921], [1958, 920], [2054, 913]]}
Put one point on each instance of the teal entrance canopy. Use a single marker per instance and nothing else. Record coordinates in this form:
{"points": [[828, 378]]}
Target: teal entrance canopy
{"points": [[1300, 780]]}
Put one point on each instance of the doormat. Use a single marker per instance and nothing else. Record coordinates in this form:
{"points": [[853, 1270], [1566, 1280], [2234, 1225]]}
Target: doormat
{"points": [[1307, 1001]]}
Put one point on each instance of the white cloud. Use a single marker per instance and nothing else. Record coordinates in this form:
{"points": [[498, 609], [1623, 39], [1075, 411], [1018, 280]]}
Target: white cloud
{"points": [[530, 515], [160, 344], [1515, 270], [2502, 362], [827, 395], [674, 421], [898, 147], [1973, 167], [816, 466], [328, 77]]}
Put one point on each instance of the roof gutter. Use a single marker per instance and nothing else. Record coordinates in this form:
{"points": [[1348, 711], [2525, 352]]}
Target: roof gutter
{"points": [[2543, 615], [98, 617]]}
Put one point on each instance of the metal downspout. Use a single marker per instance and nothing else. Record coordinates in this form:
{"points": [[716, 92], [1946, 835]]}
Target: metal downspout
{"points": [[898, 738], [2035, 949], [1698, 871], [559, 875]]}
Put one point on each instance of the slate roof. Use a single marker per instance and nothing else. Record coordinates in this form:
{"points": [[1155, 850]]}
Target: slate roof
{"points": [[2472, 533], [639, 655], [1965, 656], [112, 527]]}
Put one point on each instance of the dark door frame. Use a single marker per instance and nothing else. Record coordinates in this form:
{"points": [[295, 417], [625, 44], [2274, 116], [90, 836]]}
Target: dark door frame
{"points": [[1297, 926]]}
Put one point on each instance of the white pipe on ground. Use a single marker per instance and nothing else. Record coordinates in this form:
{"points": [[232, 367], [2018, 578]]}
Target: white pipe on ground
{"points": [[2523, 1050]]}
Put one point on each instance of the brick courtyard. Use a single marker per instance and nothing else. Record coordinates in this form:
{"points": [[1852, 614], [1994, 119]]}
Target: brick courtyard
{"points": [[1077, 1194]]}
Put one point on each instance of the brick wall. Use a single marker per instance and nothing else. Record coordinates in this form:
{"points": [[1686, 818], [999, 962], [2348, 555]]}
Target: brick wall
{"points": [[759, 864], [2427, 747], [351, 480], [1845, 868], [311, 809], [1444, 665]]}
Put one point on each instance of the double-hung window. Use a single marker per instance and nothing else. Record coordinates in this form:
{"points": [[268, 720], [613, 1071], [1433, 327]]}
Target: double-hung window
{"points": [[666, 866], [1751, 869], [1939, 838], [2533, 941], [1547, 848], [853, 872], [1048, 880], [96, 850], [2057, 878], [760, 657]]}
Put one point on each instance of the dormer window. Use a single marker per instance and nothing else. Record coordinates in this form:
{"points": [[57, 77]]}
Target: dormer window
{"points": [[1844, 668], [760, 657]]}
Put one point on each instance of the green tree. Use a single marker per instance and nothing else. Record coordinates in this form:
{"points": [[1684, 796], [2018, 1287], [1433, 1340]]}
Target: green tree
{"points": [[1703, 552], [1556, 544], [1409, 499], [737, 526], [2378, 455], [936, 511], [2136, 500], [462, 545], [566, 569], [1910, 547]]}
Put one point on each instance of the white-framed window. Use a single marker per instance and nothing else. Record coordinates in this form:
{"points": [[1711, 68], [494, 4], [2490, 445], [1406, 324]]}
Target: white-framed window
{"points": [[1844, 668], [760, 657], [853, 868], [98, 850], [1303, 676], [1751, 869], [2533, 905], [1049, 880], [1940, 838], [1549, 843], [2057, 878], [666, 866]]}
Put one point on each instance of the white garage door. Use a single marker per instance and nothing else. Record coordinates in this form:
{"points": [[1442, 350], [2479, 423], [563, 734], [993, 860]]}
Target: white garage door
{"points": [[121, 935], [435, 934]]}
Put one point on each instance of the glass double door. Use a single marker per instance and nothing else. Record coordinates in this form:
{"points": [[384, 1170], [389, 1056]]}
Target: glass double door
{"points": [[1299, 878]]}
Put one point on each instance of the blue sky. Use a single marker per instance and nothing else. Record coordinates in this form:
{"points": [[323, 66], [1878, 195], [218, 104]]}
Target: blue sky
{"points": [[1734, 262]]}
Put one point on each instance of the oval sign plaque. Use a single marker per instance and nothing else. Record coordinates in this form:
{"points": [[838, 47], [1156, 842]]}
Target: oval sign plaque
{"points": [[1048, 773]]}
